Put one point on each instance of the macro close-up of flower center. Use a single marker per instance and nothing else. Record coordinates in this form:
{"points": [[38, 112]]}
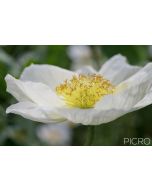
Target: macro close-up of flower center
{"points": [[83, 91]]}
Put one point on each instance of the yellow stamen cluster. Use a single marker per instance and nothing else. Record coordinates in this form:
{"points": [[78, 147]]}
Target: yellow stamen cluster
{"points": [[83, 91]]}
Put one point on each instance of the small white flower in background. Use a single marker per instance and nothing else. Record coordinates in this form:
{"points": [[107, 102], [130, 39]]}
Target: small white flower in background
{"points": [[80, 55], [55, 134], [48, 94], [79, 52]]}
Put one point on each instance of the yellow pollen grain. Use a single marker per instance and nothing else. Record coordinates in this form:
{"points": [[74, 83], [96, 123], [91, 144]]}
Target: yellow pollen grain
{"points": [[83, 91]]}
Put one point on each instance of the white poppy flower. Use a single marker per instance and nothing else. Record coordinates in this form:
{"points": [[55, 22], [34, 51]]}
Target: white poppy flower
{"points": [[55, 133], [50, 94]]}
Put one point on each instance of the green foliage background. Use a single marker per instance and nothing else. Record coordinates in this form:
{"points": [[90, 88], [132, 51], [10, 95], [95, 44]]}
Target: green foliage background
{"points": [[15, 130]]}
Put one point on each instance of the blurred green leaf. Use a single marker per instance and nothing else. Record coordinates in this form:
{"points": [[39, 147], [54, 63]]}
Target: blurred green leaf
{"points": [[137, 55]]}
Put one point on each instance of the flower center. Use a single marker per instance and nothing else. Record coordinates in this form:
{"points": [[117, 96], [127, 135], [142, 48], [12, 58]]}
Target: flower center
{"points": [[83, 91]]}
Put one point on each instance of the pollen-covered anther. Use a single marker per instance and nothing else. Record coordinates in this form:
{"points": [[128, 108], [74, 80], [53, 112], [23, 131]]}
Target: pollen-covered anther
{"points": [[83, 91]]}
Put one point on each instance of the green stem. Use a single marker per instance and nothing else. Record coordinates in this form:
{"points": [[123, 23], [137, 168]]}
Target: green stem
{"points": [[90, 136]]}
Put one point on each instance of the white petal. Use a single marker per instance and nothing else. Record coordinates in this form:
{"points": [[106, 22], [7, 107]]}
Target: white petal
{"points": [[147, 100], [130, 91], [30, 91], [86, 70], [90, 116], [33, 112], [47, 74], [117, 69]]}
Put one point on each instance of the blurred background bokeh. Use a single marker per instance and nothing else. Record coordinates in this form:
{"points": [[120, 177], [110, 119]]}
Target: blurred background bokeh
{"points": [[15, 130]]}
